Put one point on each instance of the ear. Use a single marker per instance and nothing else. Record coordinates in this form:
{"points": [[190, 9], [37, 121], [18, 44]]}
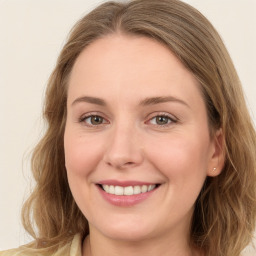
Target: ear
{"points": [[217, 155]]}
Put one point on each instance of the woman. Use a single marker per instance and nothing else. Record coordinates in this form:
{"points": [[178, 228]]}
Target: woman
{"points": [[150, 149]]}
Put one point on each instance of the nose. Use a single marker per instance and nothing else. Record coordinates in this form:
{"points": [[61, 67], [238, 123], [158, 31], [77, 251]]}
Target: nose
{"points": [[124, 148]]}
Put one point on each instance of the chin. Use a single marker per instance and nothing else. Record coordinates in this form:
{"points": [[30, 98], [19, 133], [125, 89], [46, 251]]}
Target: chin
{"points": [[130, 231]]}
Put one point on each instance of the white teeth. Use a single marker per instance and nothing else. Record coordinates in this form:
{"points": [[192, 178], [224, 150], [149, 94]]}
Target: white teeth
{"points": [[144, 188], [111, 189], [127, 191], [151, 187], [106, 188], [119, 191], [136, 190]]}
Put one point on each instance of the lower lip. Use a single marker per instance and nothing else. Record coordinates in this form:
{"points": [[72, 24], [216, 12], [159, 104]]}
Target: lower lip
{"points": [[125, 201]]}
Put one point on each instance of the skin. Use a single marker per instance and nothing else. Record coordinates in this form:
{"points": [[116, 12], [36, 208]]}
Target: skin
{"points": [[129, 143]]}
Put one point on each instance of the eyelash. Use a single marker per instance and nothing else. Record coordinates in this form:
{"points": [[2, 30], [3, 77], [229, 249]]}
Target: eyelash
{"points": [[171, 120], [91, 115]]}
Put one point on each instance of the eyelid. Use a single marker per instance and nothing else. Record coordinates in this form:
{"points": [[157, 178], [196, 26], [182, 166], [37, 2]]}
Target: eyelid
{"points": [[173, 118], [90, 114]]}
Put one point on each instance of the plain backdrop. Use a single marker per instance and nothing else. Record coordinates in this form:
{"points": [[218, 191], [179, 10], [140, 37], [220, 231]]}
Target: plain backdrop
{"points": [[32, 33]]}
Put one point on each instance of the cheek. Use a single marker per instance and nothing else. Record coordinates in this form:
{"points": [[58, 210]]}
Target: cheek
{"points": [[182, 162], [81, 153], [182, 159]]}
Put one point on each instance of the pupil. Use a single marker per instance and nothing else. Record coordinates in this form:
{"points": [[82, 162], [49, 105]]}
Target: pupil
{"points": [[96, 120], [162, 120]]}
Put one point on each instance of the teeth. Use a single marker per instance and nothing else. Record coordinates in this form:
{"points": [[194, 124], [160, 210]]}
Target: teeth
{"points": [[136, 190], [151, 187], [119, 191], [111, 189], [127, 191], [144, 188]]}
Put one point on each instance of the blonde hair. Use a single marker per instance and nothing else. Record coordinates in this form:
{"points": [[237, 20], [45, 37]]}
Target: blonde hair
{"points": [[225, 211]]}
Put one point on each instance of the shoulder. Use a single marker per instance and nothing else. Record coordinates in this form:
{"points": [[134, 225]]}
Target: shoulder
{"points": [[14, 252], [74, 248]]}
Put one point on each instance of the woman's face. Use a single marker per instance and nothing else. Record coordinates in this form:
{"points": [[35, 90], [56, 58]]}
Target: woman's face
{"points": [[137, 144]]}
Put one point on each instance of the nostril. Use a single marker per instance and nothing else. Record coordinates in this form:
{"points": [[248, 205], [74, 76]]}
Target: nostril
{"points": [[121, 165], [125, 165], [129, 163]]}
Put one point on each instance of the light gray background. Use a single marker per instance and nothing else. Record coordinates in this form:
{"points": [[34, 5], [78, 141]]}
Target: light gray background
{"points": [[32, 33]]}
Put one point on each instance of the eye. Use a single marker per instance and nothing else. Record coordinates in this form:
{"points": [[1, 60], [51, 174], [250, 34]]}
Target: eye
{"points": [[93, 120], [162, 120]]}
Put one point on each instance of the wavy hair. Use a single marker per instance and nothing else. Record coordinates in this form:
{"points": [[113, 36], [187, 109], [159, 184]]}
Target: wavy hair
{"points": [[225, 211]]}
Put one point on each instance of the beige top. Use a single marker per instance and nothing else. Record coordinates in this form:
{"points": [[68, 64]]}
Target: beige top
{"points": [[74, 248]]}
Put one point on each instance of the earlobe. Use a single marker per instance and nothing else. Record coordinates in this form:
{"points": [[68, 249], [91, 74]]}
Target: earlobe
{"points": [[217, 160], [214, 172]]}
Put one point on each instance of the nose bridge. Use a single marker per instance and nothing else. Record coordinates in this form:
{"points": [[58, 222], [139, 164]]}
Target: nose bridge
{"points": [[123, 148]]}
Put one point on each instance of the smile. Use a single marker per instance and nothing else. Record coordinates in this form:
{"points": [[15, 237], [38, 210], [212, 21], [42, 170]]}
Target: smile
{"points": [[127, 191]]}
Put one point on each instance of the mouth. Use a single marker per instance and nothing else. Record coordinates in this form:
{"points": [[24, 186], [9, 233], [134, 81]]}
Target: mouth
{"points": [[128, 190], [126, 193]]}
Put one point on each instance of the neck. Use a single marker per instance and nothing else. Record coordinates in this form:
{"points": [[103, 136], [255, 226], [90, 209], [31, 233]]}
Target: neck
{"points": [[98, 245]]}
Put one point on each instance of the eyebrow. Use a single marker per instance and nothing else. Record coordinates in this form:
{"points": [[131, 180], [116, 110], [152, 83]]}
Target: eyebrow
{"points": [[93, 100], [144, 102], [158, 100]]}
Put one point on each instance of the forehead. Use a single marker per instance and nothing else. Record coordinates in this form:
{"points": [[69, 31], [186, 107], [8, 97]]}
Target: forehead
{"points": [[107, 53], [130, 65]]}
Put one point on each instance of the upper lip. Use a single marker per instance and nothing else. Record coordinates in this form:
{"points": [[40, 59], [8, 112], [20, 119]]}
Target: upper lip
{"points": [[125, 183]]}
